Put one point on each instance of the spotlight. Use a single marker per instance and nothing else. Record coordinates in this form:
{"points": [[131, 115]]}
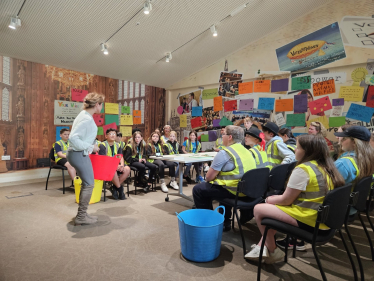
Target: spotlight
{"points": [[147, 7], [104, 49], [14, 22], [213, 30], [238, 10], [168, 57]]}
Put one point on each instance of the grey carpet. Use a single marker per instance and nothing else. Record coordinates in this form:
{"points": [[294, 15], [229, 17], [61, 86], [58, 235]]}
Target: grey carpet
{"points": [[135, 239]]}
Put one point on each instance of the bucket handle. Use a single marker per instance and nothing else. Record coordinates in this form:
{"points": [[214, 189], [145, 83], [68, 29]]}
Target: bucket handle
{"points": [[179, 217], [220, 207]]}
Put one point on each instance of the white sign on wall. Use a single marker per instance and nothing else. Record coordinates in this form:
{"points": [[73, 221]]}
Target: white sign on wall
{"points": [[66, 111], [339, 77]]}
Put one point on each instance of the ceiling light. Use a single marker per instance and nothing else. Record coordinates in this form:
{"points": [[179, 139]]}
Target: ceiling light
{"points": [[104, 49], [238, 10], [147, 7], [14, 22], [168, 57], [213, 30]]}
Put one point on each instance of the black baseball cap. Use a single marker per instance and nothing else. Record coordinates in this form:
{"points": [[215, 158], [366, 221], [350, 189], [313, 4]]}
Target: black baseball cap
{"points": [[357, 132], [254, 132], [272, 127]]}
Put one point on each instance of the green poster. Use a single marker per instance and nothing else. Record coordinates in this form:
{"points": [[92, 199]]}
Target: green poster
{"points": [[100, 131], [225, 122], [301, 83], [204, 138], [336, 121], [296, 120], [111, 118], [209, 94], [102, 109], [125, 109]]}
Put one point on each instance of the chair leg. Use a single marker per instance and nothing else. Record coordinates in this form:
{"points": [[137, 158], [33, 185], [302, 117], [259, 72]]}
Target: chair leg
{"points": [[355, 250], [261, 250], [63, 182], [349, 256], [136, 177], [294, 247], [318, 262], [367, 235], [233, 218], [46, 185], [104, 188], [128, 188], [372, 227], [241, 232], [286, 248]]}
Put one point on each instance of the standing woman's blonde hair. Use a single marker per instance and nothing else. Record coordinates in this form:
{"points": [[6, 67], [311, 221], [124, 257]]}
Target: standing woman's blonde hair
{"points": [[321, 130], [92, 99], [364, 155]]}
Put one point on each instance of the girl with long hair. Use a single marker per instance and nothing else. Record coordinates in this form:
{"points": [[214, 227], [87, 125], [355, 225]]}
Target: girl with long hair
{"points": [[192, 145], [304, 186]]}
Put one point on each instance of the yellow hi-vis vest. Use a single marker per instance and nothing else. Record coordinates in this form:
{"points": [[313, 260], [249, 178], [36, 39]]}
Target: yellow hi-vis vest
{"points": [[171, 149], [133, 156], [260, 157], [273, 154], [109, 151], [305, 207], [243, 161], [121, 145], [64, 149], [291, 147], [150, 160], [189, 147], [219, 144]]}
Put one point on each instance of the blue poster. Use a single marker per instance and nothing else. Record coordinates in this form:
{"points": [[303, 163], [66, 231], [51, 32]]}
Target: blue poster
{"points": [[360, 112], [58, 129], [321, 47], [266, 103], [197, 111]]}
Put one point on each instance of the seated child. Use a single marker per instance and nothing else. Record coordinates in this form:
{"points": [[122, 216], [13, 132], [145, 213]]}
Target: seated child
{"points": [[61, 147], [192, 145]]}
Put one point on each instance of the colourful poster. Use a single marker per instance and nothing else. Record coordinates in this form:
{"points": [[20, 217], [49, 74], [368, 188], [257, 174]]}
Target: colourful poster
{"points": [[125, 109], [320, 105], [279, 85], [197, 111], [218, 104], [324, 88], [337, 102], [99, 119], [246, 104], [111, 108], [370, 97], [137, 120], [319, 48], [266, 103], [100, 131], [245, 88], [336, 121], [301, 83], [284, 105], [216, 122], [209, 94], [225, 122], [196, 122], [279, 119], [204, 138], [351, 93], [111, 119], [212, 135], [231, 105], [360, 112], [109, 126], [183, 121], [261, 86], [137, 113], [126, 131], [297, 120], [78, 94], [323, 119], [300, 103], [66, 111], [126, 120]]}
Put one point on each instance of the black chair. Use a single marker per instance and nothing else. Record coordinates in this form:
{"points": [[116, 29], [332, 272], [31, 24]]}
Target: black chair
{"points": [[57, 167], [136, 171], [277, 178], [359, 204], [254, 185], [332, 213]]}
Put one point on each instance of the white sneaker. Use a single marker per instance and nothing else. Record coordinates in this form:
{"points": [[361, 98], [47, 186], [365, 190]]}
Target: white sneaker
{"points": [[277, 256], [206, 168], [164, 188], [174, 185], [254, 254]]}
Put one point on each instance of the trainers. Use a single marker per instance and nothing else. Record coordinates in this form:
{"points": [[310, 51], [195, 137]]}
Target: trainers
{"points": [[174, 185], [274, 257], [300, 246], [164, 188], [206, 168], [254, 254], [201, 179]]}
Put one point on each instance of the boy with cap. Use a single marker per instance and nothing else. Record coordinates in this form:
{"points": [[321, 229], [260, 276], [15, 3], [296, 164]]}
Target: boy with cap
{"points": [[276, 150], [253, 140]]}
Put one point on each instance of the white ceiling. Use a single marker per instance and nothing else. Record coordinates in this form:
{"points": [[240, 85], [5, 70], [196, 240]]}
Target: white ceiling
{"points": [[68, 34]]}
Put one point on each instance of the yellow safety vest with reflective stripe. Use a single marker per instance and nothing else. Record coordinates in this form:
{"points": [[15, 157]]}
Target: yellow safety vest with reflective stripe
{"points": [[243, 163], [171, 149], [273, 154], [305, 207], [189, 147], [291, 147], [219, 144], [354, 163], [150, 160], [260, 157], [109, 151], [133, 156], [64, 148], [121, 145]]}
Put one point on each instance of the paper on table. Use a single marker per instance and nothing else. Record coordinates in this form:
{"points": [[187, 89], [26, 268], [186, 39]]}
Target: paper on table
{"points": [[320, 105], [351, 93], [111, 108], [360, 112], [246, 104], [300, 103], [283, 105]]}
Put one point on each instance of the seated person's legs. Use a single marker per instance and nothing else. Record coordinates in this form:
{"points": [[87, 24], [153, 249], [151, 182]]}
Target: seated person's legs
{"points": [[141, 172], [198, 167], [71, 171], [152, 170]]}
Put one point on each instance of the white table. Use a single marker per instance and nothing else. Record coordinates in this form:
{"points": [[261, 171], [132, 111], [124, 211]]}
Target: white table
{"points": [[185, 159]]}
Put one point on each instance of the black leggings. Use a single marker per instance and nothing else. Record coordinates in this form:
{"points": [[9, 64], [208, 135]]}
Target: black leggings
{"points": [[161, 168], [141, 168]]}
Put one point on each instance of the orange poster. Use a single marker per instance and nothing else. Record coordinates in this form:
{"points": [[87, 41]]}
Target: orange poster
{"points": [[261, 86], [245, 88], [218, 103], [324, 88], [284, 105], [137, 113], [137, 120]]}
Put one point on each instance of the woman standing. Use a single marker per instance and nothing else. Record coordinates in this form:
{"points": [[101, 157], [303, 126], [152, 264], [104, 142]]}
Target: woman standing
{"points": [[82, 142]]}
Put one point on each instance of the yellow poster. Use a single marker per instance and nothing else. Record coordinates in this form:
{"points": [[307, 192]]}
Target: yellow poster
{"points": [[351, 93], [111, 108], [323, 119], [126, 120], [183, 121], [125, 130]]}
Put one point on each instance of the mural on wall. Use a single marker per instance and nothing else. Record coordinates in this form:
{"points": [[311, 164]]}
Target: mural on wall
{"points": [[27, 125]]}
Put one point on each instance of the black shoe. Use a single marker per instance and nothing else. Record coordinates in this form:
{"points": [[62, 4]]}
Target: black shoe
{"points": [[300, 246], [245, 216], [146, 188], [114, 191], [188, 179], [121, 195], [226, 227]]}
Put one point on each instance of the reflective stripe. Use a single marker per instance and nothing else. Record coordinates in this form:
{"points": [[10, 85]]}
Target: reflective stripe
{"points": [[272, 153], [320, 181], [233, 188], [259, 157], [307, 204], [291, 147], [240, 167], [109, 151], [64, 149], [354, 163], [189, 146]]}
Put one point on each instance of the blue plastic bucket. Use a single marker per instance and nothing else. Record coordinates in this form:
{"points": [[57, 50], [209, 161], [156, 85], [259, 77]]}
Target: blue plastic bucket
{"points": [[200, 233]]}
